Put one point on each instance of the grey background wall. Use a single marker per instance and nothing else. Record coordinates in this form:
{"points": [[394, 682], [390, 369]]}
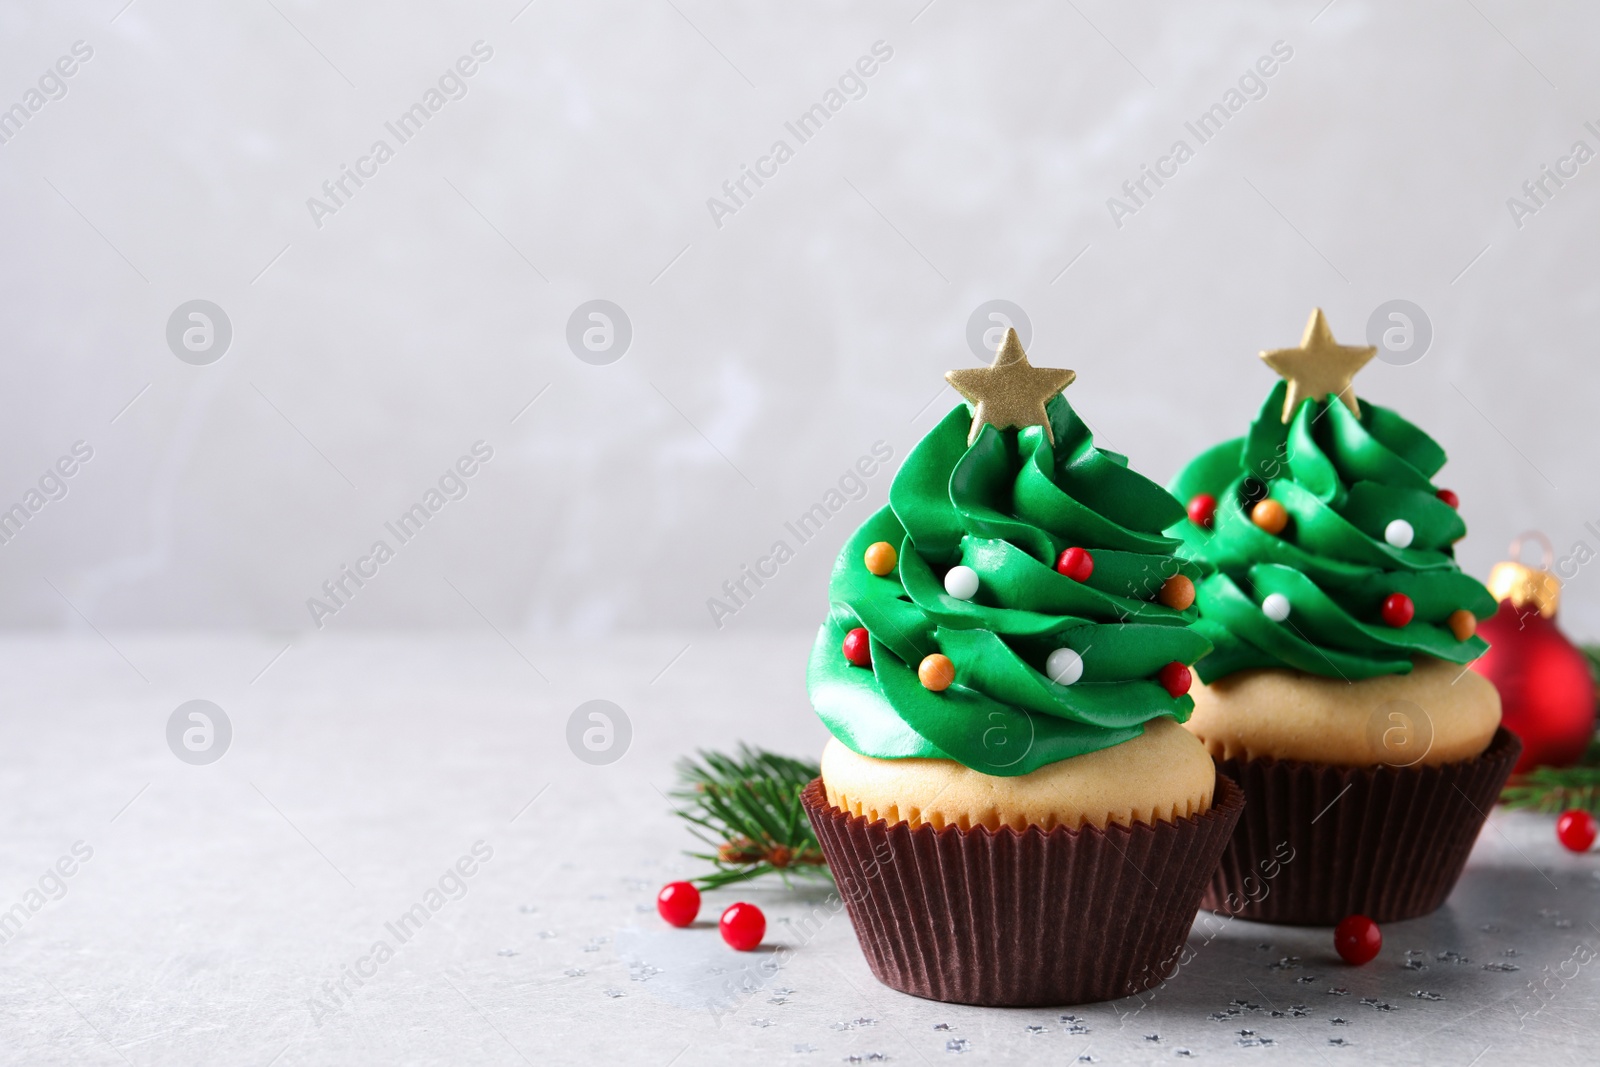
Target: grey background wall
{"points": [[774, 340]]}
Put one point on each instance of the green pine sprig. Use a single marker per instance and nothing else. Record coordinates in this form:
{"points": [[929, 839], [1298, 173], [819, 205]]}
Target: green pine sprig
{"points": [[746, 806], [1553, 790], [1556, 789]]}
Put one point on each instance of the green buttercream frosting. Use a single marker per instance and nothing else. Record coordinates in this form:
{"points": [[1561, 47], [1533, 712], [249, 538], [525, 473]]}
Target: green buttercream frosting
{"points": [[1007, 507], [1342, 479]]}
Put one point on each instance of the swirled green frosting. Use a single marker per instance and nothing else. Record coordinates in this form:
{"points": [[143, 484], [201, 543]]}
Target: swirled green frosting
{"points": [[1006, 507], [1342, 479]]}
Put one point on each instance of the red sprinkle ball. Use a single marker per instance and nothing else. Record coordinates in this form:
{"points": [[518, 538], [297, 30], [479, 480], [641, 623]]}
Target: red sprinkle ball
{"points": [[1076, 563], [1575, 830], [678, 903], [1358, 939], [857, 649], [1398, 609], [1175, 678], [1449, 497], [743, 926], [1203, 510]]}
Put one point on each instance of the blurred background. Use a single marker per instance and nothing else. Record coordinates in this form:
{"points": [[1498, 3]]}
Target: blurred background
{"points": [[361, 334]]}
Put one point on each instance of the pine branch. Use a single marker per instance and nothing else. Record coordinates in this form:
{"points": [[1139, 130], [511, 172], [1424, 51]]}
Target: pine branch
{"points": [[746, 807], [1552, 790], [1556, 789]]}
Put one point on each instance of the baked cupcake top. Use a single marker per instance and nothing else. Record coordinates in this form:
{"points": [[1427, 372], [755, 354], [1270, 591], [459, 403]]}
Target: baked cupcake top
{"points": [[1331, 547], [981, 644]]}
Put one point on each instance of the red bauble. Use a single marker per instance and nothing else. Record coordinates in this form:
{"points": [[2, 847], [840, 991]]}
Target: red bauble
{"points": [[1358, 939], [743, 926], [1175, 678], [1076, 563], [678, 903], [1398, 609], [1575, 830], [1203, 510], [1546, 691], [857, 648], [1449, 497]]}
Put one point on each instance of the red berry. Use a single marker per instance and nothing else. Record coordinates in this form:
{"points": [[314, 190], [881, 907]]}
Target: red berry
{"points": [[1575, 829], [1203, 510], [743, 926], [1076, 563], [1175, 678], [678, 903], [1398, 609], [857, 649], [1358, 939], [1449, 497]]}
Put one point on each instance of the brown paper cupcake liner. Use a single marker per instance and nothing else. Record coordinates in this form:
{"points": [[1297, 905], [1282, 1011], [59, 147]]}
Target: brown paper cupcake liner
{"points": [[1002, 918], [1319, 842]]}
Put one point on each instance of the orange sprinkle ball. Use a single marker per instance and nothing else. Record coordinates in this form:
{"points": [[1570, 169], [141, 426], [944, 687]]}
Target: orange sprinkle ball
{"points": [[1270, 516], [880, 558], [936, 672], [1177, 592], [1463, 623]]}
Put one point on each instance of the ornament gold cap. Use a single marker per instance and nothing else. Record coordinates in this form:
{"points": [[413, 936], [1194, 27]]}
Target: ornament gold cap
{"points": [[1527, 586]]}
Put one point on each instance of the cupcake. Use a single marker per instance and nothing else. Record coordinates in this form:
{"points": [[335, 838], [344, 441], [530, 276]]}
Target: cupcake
{"points": [[1337, 692], [1009, 804]]}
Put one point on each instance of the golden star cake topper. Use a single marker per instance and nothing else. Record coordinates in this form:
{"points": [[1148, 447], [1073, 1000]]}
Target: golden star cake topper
{"points": [[1319, 367], [1010, 393]]}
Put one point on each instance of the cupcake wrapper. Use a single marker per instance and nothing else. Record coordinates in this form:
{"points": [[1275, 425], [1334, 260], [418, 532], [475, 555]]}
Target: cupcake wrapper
{"points": [[1318, 843], [1002, 918]]}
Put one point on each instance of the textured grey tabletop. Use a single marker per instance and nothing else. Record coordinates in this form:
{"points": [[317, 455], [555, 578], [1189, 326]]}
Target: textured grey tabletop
{"points": [[230, 912]]}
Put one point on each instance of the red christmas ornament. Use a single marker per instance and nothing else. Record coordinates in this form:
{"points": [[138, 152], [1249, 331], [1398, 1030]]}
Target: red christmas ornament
{"points": [[1449, 497], [678, 903], [743, 926], [1175, 678], [1203, 510], [1358, 939], [1076, 563], [1547, 695], [1575, 830], [1398, 609], [857, 649]]}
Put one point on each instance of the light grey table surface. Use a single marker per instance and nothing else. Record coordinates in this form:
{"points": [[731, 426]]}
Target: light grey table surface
{"points": [[220, 899]]}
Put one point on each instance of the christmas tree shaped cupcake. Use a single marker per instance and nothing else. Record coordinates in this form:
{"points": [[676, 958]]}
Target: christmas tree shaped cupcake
{"points": [[1008, 803], [1337, 691]]}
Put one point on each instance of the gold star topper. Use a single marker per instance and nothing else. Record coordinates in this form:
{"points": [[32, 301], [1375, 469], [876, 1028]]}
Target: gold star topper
{"points": [[1010, 392], [1319, 367]]}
